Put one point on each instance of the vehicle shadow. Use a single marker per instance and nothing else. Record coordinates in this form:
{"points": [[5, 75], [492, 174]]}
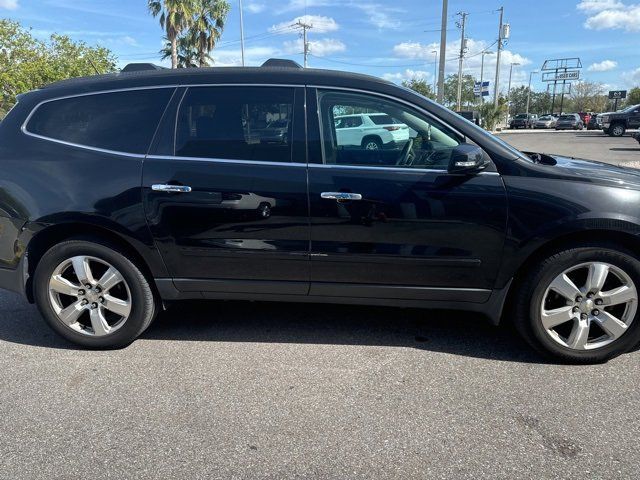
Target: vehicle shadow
{"points": [[458, 333], [615, 149]]}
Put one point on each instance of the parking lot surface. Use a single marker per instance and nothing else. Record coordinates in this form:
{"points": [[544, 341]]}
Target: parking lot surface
{"points": [[589, 144], [256, 390]]}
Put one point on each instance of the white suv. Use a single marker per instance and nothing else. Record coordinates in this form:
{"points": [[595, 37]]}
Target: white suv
{"points": [[371, 131]]}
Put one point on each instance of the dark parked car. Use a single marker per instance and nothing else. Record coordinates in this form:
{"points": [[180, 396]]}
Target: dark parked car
{"points": [[123, 192], [522, 120], [595, 122], [616, 123], [637, 136], [572, 121]]}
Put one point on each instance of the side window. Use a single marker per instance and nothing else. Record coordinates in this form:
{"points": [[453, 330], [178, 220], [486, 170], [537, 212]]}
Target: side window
{"points": [[238, 123], [120, 121], [396, 135]]}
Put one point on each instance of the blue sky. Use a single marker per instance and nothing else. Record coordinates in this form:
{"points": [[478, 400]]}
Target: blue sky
{"points": [[389, 39]]}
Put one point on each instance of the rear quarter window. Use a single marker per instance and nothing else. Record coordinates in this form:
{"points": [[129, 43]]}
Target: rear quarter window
{"points": [[119, 121]]}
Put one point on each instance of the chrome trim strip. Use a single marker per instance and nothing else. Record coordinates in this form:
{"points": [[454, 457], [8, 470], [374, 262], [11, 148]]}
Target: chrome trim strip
{"points": [[395, 169], [225, 160], [86, 147]]}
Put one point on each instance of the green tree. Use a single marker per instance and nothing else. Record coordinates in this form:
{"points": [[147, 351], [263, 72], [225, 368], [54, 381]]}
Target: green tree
{"points": [[585, 97], [451, 91], [518, 99], [420, 86], [633, 97], [175, 18], [188, 56], [206, 26], [27, 63]]}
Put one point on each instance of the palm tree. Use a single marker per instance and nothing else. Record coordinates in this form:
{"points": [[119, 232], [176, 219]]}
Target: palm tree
{"points": [[175, 18], [187, 53], [207, 25]]}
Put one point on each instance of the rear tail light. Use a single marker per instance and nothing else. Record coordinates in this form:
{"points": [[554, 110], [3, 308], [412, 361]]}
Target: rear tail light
{"points": [[392, 129]]}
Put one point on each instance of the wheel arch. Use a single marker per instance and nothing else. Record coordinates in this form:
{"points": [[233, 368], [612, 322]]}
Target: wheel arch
{"points": [[626, 240], [46, 237]]}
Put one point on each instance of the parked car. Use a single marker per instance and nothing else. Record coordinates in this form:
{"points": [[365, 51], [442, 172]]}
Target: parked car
{"points": [[372, 131], [571, 121], [595, 122], [546, 121], [616, 123], [121, 193], [522, 120], [637, 136]]}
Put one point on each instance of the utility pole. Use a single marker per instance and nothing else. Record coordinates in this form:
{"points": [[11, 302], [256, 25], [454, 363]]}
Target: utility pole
{"points": [[497, 82], [463, 42], [529, 90], [305, 43], [482, 75], [443, 52], [241, 32]]}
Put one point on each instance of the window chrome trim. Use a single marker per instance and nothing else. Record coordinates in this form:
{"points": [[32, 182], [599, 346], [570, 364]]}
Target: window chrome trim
{"points": [[23, 127]]}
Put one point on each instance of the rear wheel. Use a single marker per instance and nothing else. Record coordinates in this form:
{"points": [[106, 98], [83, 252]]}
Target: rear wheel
{"points": [[580, 305], [371, 143], [92, 294]]}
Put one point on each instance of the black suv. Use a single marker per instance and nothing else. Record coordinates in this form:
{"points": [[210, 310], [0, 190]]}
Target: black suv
{"points": [[523, 120], [616, 123], [120, 193]]}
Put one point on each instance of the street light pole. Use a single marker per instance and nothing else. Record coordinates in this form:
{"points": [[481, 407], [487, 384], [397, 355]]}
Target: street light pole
{"points": [[463, 41], [435, 70], [529, 90], [496, 84], [482, 75], [509, 89]]}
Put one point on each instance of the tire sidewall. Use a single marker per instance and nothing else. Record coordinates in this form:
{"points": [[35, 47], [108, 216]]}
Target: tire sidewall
{"points": [[627, 263], [135, 323]]}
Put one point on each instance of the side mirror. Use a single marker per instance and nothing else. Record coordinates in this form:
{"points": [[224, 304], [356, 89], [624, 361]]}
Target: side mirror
{"points": [[466, 158]]}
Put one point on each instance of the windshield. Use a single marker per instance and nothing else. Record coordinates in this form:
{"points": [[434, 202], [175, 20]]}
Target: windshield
{"points": [[630, 109], [545, 118], [521, 115], [567, 117]]}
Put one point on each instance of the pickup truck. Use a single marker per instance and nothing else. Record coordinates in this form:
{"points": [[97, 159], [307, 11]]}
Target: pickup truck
{"points": [[616, 123]]}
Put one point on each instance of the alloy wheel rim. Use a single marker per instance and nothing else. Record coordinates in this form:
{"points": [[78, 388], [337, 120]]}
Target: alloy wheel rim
{"points": [[89, 295], [589, 306], [371, 146], [617, 130]]}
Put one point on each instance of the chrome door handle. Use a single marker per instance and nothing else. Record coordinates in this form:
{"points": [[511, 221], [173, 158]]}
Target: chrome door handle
{"points": [[161, 187], [341, 196]]}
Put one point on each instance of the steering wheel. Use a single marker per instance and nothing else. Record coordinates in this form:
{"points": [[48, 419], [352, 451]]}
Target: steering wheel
{"points": [[406, 156]]}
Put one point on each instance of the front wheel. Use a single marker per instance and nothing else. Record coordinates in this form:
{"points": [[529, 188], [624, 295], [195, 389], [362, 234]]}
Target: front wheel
{"points": [[617, 130], [580, 305], [92, 294]]}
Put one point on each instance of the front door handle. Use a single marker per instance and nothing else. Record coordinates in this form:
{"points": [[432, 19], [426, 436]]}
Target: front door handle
{"points": [[341, 196], [161, 187]]}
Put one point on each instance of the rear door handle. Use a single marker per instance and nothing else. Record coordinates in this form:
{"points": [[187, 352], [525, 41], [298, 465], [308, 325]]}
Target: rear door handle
{"points": [[162, 187], [341, 196]]}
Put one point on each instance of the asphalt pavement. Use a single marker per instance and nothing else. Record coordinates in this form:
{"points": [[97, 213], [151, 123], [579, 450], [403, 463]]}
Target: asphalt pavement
{"points": [[255, 390]]}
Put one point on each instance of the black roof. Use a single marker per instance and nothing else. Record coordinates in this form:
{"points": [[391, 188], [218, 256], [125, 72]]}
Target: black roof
{"points": [[273, 72]]}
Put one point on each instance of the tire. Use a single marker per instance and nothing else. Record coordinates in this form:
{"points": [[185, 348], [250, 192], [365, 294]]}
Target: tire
{"points": [[555, 342], [132, 288], [264, 210], [372, 143], [617, 130]]}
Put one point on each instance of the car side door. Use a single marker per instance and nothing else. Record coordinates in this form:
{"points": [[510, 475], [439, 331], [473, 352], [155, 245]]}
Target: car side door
{"points": [[226, 197], [394, 223]]}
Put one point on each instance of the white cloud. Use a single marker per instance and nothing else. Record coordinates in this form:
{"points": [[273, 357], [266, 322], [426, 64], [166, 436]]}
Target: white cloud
{"points": [[472, 62], [9, 4], [128, 40], [319, 48], [252, 55], [293, 5], [594, 6], [611, 14], [319, 24], [378, 15], [632, 78], [603, 66], [408, 74], [255, 7]]}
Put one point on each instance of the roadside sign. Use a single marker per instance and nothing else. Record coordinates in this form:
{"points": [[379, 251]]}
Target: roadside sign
{"points": [[617, 94], [484, 89], [560, 76]]}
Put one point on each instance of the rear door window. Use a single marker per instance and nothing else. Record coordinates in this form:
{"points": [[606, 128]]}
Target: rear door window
{"points": [[238, 123], [119, 121]]}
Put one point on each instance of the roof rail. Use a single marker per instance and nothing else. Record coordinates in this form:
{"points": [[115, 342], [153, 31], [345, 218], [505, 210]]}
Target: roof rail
{"points": [[281, 63], [140, 67]]}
